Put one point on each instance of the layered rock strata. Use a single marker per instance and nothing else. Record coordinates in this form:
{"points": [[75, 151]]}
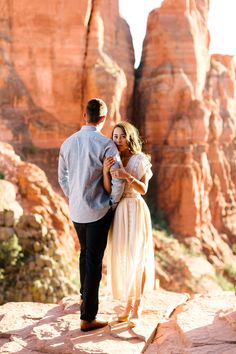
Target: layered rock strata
{"points": [[186, 110], [38, 257], [35, 195], [54, 57]]}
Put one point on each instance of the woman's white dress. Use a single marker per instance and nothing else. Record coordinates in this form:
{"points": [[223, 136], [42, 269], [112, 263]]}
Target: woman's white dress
{"points": [[130, 244]]}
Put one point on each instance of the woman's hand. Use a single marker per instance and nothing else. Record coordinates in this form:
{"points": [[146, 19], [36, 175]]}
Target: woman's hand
{"points": [[107, 163], [120, 173]]}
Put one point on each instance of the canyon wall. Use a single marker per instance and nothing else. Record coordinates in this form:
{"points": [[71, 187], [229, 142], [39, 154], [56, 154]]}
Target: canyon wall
{"points": [[55, 56], [185, 103]]}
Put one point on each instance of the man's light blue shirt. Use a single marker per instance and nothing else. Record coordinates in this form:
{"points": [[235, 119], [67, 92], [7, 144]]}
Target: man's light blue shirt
{"points": [[80, 174]]}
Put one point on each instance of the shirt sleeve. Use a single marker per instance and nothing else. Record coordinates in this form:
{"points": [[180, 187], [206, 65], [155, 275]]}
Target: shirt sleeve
{"points": [[117, 185], [63, 175]]}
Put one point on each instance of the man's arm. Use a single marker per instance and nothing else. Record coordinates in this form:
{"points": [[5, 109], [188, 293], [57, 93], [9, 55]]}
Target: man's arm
{"points": [[107, 163], [63, 176], [117, 185]]}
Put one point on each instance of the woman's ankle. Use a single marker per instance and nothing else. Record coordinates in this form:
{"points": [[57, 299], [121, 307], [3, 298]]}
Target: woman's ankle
{"points": [[123, 317], [128, 306], [137, 308]]}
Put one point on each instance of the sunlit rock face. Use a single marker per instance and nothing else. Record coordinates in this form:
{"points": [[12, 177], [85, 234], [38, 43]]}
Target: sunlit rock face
{"points": [[170, 323], [35, 195], [186, 110], [204, 324], [173, 67], [109, 61], [38, 246], [54, 56]]}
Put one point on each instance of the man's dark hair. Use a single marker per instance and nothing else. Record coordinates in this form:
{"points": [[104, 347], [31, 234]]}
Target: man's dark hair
{"points": [[96, 108]]}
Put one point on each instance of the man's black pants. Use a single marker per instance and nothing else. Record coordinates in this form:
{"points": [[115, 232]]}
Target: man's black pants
{"points": [[93, 240]]}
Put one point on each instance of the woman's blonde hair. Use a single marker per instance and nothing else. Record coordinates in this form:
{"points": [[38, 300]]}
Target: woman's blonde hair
{"points": [[133, 139]]}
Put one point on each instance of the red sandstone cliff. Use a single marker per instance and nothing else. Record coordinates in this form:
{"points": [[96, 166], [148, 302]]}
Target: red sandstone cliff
{"points": [[38, 248], [53, 59], [186, 110], [54, 56], [36, 196]]}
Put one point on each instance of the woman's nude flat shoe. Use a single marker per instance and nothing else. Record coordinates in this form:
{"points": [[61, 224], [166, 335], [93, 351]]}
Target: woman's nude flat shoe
{"points": [[123, 318]]}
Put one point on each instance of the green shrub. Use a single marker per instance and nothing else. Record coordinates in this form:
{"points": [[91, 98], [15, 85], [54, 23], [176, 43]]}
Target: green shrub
{"points": [[224, 283], [159, 220], [30, 150], [10, 252], [230, 271]]}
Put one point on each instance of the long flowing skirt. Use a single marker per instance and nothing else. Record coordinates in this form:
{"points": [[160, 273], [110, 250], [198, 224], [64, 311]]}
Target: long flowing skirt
{"points": [[130, 253]]}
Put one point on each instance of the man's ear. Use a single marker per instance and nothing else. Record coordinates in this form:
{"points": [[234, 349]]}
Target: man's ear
{"points": [[102, 119]]}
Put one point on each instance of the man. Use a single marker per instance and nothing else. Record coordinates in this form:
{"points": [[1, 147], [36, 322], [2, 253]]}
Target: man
{"points": [[80, 175]]}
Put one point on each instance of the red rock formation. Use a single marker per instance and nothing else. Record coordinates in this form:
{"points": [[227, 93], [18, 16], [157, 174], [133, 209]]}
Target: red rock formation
{"points": [[171, 323], [109, 63], [36, 195], [56, 328], [174, 63], [55, 57], [204, 324], [186, 110]]}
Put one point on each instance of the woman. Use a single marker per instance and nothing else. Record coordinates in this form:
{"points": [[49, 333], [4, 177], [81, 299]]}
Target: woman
{"points": [[130, 265]]}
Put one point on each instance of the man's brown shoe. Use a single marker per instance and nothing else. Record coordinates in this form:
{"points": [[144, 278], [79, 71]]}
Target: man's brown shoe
{"points": [[86, 326]]}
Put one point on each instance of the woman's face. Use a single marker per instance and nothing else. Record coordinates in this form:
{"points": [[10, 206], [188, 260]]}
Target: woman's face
{"points": [[119, 138]]}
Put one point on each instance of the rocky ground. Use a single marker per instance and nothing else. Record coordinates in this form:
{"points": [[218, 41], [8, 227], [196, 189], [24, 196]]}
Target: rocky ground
{"points": [[172, 323]]}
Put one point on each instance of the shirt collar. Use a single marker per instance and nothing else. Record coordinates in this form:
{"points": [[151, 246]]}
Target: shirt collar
{"points": [[89, 128]]}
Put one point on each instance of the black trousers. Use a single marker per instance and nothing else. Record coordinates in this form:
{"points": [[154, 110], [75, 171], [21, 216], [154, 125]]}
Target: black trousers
{"points": [[93, 240]]}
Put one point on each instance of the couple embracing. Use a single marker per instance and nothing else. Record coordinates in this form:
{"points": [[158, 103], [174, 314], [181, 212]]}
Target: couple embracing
{"points": [[104, 180]]}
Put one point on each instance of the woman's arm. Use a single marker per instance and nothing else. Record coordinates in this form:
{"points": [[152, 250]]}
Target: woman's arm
{"points": [[107, 163], [140, 186]]}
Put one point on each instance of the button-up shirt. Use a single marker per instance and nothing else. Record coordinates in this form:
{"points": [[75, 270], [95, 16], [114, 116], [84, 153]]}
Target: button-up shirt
{"points": [[80, 174]]}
